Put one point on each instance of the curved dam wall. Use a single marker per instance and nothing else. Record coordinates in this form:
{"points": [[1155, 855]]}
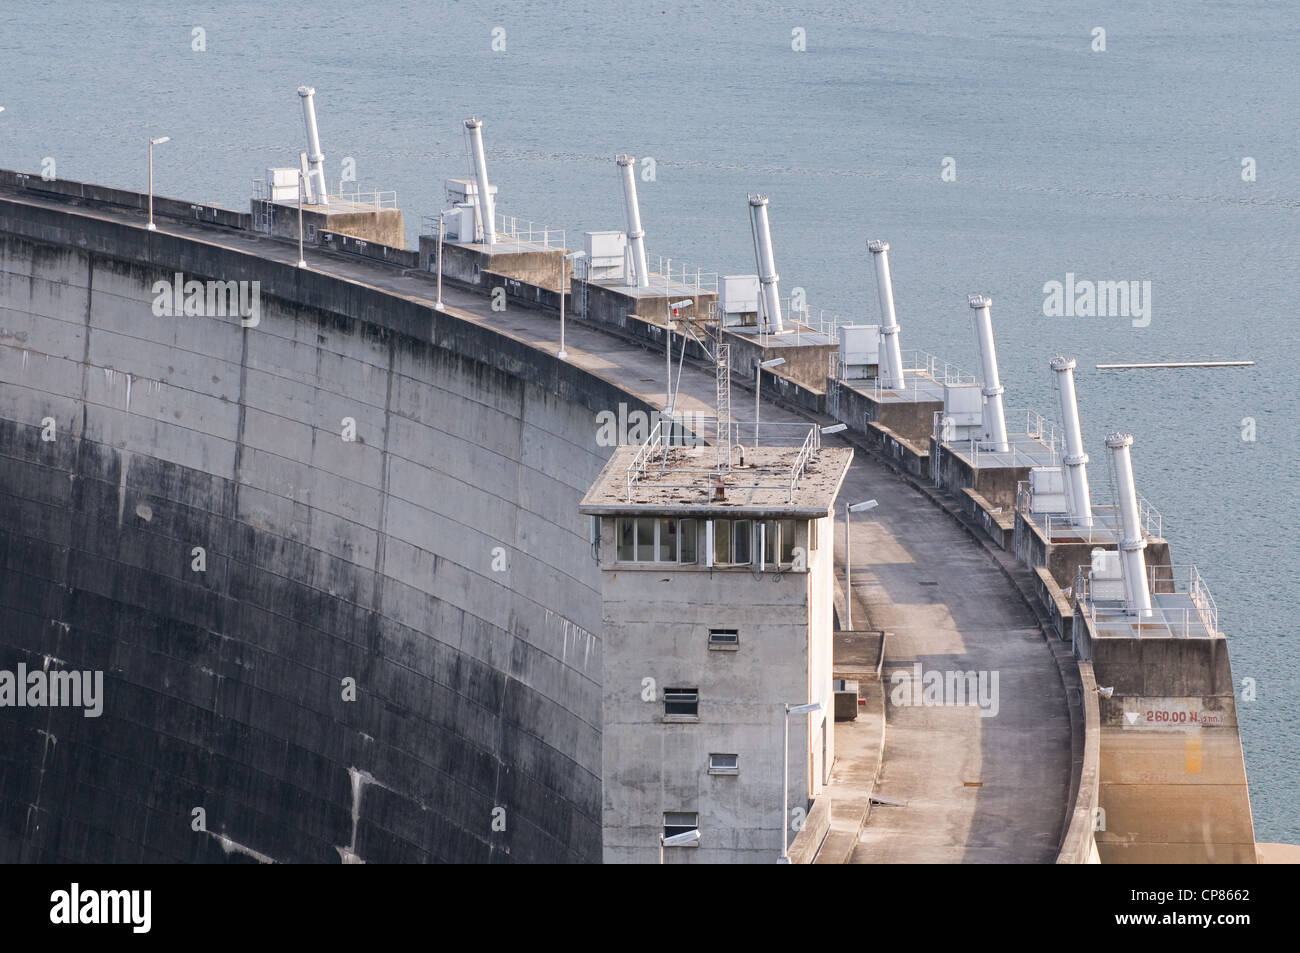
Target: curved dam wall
{"points": [[438, 560]]}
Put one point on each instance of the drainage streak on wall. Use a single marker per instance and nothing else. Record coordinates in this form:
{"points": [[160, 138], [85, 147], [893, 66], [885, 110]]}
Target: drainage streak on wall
{"points": [[438, 560]]}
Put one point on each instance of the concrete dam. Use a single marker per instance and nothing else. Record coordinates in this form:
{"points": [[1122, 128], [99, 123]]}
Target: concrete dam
{"points": [[197, 527], [328, 554]]}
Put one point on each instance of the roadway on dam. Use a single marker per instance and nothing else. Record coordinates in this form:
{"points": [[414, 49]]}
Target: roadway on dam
{"points": [[977, 787]]}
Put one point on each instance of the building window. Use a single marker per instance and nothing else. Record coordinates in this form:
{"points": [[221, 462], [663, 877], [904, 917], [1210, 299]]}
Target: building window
{"points": [[680, 822], [778, 542], [812, 535], [724, 638], [626, 548], [731, 542], [645, 539], [689, 536], [682, 703], [724, 764]]}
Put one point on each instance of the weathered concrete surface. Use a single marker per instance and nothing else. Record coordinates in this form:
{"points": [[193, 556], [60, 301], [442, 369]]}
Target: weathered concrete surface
{"points": [[949, 607], [807, 362], [638, 312], [912, 457], [1172, 778], [954, 472], [325, 559], [913, 420], [471, 264], [381, 225]]}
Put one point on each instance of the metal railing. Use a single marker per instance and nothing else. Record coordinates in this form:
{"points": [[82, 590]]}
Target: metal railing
{"points": [[811, 444], [827, 323], [1173, 620], [655, 464], [375, 198], [683, 273], [922, 363], [522, 230], [1106, 519], [636, 470], [1044, 429]]}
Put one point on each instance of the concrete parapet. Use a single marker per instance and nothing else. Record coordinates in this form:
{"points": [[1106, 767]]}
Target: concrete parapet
{"points": [[1079, 846], [913, 458], [996, 521], [803, 849], [370, 250], [163, 207]]}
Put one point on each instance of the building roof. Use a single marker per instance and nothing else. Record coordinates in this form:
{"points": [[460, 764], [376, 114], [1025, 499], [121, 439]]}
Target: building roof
{"points": [[770, 483]]}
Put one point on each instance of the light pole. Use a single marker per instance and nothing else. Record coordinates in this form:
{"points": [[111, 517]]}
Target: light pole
{"points": [[785, 774], [758, 383], [438, 304], [668, 347], [685, 839], [848, 557], [153, 142], [564, 269], [302, 185]]}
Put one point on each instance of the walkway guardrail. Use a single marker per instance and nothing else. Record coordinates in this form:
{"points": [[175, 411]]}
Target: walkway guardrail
{"points": [[1106, 519], [683, 273], [1203, 613], [376, 198], [523, 230], [923, 363]]}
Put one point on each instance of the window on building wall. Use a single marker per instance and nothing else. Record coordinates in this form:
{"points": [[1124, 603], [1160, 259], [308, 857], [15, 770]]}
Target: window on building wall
{"points": [[626, 541], [680, 822], [731, 542], [682, 702], [724, 638], [724, 764], [778, 542], [690, 536], [645, 538], [648, 539], [812, 535]]}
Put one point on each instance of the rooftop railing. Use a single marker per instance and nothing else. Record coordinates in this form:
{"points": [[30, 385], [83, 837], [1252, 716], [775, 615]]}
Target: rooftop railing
{"points": [[664, 463]]}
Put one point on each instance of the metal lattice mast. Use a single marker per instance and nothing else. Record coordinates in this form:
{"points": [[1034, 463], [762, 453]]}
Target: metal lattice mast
{"points": [[722, 363]]}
